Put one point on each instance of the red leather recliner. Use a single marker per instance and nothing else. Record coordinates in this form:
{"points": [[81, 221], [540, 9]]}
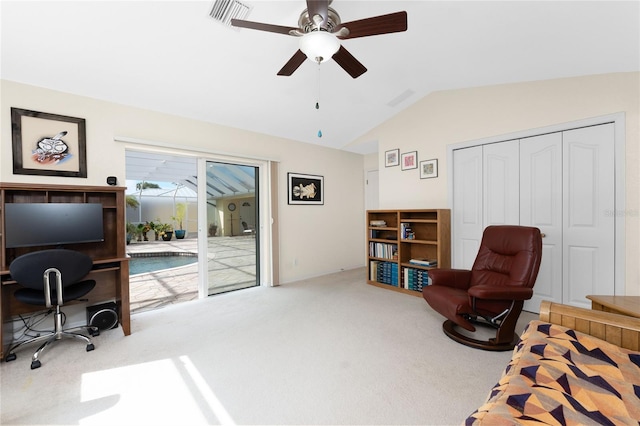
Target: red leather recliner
{"points": [[493, 291]]}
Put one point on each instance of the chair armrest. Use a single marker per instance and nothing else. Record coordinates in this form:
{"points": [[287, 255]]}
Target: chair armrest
{"points": [[457, 278], [500, 292]]}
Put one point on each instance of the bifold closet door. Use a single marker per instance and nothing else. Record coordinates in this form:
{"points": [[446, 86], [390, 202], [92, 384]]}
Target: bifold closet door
{"points": [[541, 206], [501, 183], [467, 223], [588, 219], [562, 183]]}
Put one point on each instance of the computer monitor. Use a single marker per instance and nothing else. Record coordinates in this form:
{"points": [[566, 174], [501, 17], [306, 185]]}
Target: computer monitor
{"points": [[52, 224]]}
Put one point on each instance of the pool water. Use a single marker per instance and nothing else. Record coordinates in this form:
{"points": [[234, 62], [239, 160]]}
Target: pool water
{"points": [[139, 265]]}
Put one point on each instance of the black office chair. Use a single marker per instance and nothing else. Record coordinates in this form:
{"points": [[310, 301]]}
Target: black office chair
{"points": [[50, 278]]}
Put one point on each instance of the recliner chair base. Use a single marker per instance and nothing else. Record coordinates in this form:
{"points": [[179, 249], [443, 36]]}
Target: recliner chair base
{"points": [[449, 328]]}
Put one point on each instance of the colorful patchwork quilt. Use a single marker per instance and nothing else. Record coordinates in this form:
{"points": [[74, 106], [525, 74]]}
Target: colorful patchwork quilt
{"points": [[559, 376]]}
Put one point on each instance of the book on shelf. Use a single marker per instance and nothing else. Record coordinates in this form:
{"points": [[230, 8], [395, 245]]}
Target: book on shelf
{"points": [[384, 272], [383, 250], [373, 270], [423, 262], [406, 233], [415, 279]]}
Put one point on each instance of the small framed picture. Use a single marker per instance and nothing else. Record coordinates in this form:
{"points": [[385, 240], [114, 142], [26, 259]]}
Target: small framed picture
{"points": [[409, 160], [392, 158], [305, 189], [428, 169]]}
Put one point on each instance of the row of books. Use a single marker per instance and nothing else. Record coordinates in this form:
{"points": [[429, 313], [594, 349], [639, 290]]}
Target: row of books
{"points": [[384, 272], [414, 279], [383, 250]]}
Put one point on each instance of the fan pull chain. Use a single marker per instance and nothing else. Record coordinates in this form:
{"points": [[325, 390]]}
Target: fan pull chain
{"points": [[318, 98]]}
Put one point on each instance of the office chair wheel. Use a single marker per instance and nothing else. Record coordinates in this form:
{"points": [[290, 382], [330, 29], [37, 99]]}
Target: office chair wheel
{"points": [[90, 347], [10, 357], [35, 364], [94, 331]]}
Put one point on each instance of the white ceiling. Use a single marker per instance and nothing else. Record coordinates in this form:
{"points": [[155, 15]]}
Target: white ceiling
{"points": [[170, 56]]}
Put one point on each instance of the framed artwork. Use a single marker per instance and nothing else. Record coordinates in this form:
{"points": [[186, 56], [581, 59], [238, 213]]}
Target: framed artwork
{"points": [[48, 144], [428, 169], [392, 158], [409, 160], [305, 189]]}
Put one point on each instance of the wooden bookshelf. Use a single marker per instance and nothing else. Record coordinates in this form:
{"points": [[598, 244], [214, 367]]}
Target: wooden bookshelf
{"points": [[395, 237], [111, 265]]}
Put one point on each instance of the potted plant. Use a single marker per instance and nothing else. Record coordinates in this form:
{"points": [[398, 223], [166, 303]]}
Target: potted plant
{"points": [[181, 210], [165, 231], [143, 228], [213, 229], [147, 228], [156, 228], [131, 231]]}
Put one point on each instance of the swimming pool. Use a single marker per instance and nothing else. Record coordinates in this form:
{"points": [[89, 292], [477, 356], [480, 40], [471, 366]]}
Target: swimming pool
{"points": [[140, 263]]}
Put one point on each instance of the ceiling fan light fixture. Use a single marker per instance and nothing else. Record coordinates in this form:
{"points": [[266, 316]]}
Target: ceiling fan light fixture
{"points": [[319, 46]]}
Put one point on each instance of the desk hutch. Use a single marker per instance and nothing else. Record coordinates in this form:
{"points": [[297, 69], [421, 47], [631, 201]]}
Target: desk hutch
{"points": [[111, 265]]}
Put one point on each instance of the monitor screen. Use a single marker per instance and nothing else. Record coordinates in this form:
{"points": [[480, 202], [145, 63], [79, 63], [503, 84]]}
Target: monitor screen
{"points": [[44, 224]]}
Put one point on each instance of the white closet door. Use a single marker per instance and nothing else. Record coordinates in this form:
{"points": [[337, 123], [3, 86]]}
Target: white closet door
{"points": [[541, 206], [566, 187], [371, 189], [467, 206], [588, 210], [501, 183]]}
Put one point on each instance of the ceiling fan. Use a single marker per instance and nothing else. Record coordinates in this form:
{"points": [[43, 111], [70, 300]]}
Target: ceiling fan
{"points": [[320, 29]]}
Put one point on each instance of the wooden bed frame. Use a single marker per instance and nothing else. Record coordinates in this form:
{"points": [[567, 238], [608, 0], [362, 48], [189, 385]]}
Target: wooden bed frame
{"points": [[620, 330]]}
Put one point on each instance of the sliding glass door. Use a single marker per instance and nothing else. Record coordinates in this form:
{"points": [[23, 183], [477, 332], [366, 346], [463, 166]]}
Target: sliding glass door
{"points": [[232, 213]]}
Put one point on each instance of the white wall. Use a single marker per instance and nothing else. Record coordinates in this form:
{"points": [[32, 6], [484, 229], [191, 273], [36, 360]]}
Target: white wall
{"points": [[314, 240], [455, 116], [161, 209]]}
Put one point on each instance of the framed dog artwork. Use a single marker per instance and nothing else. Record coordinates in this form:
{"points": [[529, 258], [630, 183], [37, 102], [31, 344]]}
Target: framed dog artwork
{"points": [[305, 189]]}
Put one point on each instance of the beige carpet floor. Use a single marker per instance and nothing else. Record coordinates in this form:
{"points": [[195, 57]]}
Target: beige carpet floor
{"points": [[329, 350]]}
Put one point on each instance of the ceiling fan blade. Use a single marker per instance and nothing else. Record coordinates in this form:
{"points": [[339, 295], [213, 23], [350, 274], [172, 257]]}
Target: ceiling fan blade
{"points": [[349, 63], [318, 7], [263, 27], [383, 24], [296, 60]]}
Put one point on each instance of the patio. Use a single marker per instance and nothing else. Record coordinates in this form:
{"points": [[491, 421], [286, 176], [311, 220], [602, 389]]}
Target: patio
{"points": [[232, 265]]}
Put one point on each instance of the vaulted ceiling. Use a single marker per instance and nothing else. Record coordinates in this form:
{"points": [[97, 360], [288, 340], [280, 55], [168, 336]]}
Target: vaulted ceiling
{"points": [[171, 56]]}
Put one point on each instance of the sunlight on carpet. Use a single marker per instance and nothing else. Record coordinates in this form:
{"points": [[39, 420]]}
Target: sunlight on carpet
{"points": [[115, 394]]}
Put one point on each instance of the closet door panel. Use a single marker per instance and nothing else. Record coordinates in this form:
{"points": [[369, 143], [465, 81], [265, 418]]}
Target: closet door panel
{"points": [[501, 183], [589, 222], [467, 206], [541, 206], [566, 187]]}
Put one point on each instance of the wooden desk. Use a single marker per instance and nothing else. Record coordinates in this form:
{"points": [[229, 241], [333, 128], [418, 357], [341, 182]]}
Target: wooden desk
{"points": [[112, 283], [623, 305], [111, 265]]}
